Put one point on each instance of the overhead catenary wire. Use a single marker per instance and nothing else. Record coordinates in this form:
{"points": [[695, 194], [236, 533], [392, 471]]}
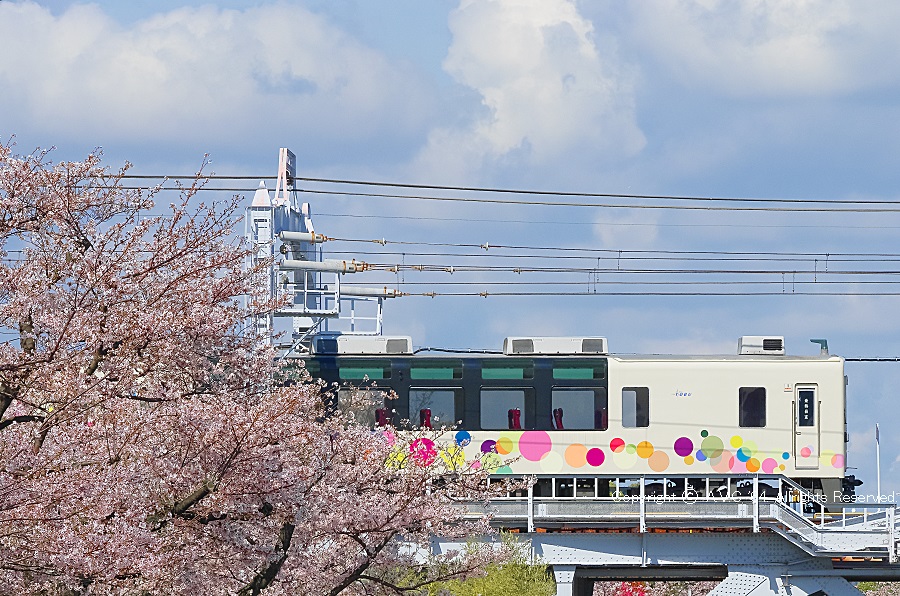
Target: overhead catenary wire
{"points": [[395, 267], [486, 294], [519, 191], [604, 223], [624, 257], [523, 202], [619, 282], [624, 253]]}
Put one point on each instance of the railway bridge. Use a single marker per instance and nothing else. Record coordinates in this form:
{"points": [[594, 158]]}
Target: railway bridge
{"points": [[759, 535]]}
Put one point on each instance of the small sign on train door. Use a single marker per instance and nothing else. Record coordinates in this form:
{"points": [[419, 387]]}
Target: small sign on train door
{"points": [[806, 427]]}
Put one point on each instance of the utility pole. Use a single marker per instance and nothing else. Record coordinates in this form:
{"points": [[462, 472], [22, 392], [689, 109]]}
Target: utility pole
{"points": [[877, 462]]}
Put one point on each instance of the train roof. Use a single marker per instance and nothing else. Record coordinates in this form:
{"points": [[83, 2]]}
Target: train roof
{"points": [[749, 348]]}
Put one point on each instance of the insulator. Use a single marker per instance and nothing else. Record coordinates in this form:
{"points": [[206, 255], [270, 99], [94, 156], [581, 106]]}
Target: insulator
{"points": [[310, 237], [330, 265]]}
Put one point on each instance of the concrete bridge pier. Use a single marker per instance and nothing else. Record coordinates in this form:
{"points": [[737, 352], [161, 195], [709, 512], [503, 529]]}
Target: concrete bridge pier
{"points": [[568, 584]]}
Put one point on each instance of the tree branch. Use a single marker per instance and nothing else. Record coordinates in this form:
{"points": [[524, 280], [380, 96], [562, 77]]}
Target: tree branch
{"points": [[357, 573], [192, 499], [267, 574], [19, 419]]}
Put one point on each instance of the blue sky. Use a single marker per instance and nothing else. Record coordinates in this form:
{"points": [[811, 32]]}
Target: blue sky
{"points": [[771, 99]]}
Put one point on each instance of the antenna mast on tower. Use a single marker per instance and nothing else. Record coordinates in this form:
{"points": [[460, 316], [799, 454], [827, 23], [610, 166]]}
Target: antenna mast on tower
{"points": [[287, 252]]}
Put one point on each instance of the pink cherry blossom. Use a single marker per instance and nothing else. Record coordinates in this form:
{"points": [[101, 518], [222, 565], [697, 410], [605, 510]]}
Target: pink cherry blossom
{"points": [[150, 444]]}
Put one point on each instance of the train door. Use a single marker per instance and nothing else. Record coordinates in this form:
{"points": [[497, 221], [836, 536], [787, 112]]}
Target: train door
{"points": [[806, 427]]}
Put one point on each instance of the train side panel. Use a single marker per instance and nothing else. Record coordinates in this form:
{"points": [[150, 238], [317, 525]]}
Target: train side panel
{"points": [[706, 416]]}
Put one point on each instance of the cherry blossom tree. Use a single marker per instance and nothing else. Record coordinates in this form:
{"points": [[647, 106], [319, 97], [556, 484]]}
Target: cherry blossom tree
{"points": [[150, 444]]}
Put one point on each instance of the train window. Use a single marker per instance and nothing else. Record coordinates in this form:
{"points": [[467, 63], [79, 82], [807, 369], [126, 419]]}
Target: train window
{"points": [[361, 369], [564, 487], [580, 370], [507, 369], [502, 408], [436, 370], [440, 405], [362, 403], [543, 487], [752, 406], [585, 487], [635, 407], [313, 367], [579, 409], [806, 414]]}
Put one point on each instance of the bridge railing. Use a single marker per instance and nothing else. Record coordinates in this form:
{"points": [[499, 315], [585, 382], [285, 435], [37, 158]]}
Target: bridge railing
{"points": [[806, 518]]}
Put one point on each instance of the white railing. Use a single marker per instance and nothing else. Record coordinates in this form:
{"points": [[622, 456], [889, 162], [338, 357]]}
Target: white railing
{"points": [[775, 503]]}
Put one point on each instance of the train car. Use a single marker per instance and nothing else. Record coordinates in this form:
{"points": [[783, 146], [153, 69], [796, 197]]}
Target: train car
{"points": [[566, 407]]}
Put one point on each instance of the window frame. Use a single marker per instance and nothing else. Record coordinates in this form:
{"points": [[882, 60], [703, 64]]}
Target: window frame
{"points": [[745, 394], [640, 394], [527, 406], [458, 405], [600, 403]]}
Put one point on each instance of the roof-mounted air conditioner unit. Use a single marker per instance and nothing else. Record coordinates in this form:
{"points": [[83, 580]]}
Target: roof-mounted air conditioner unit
{"points": [[361, 344], [761, 345], [513, 346]]}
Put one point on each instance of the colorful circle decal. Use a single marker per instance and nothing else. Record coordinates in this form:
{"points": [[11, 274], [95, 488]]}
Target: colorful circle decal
{"points": [[463, 438], [492, 461], [576, 455], [684, 446], [534, 444], [510, 440], [644, 449], [551, 462], [723, 454], [712, 447], [625, 460], [658, 461], [723, 462], [837, 461], [768, 465], [595, 457], [504, 446], [453, 456], [423, 451]]}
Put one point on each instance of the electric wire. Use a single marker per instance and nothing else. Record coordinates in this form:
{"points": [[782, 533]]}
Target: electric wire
{"points": [[523, 202], [602, 223], [519, 191], [486, 294], [623, 258], [395, 267]]}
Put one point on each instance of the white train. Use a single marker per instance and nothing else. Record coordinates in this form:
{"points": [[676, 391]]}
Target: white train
{"points": [[565, 407]]}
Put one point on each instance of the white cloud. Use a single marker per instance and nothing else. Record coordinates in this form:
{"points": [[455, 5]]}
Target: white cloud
{"points": [[276, 70], [770, 47], [546, 90]]}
